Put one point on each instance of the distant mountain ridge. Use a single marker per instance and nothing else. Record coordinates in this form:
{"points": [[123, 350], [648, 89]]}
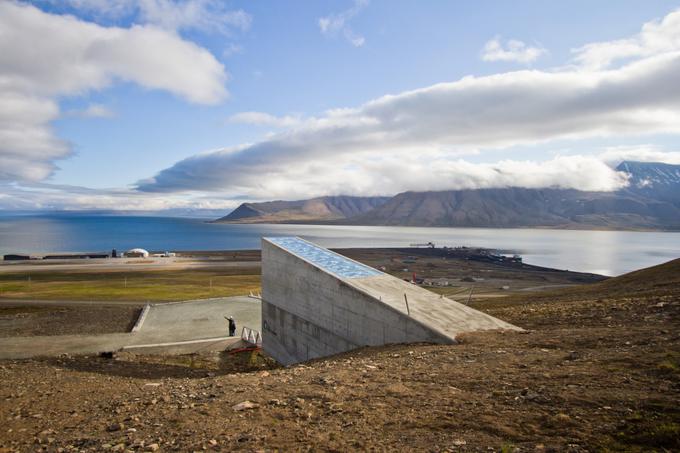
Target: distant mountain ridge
{"points": [[651, 201], [518, 207], [316, 209]]}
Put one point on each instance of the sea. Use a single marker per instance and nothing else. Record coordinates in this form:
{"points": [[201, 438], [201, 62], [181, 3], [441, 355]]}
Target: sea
{"points": [[602, 252]]}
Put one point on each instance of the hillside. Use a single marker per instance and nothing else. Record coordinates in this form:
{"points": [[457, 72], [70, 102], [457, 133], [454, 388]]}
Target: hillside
{"points": [[313, 210], [663, 277], [649, 282], [598, 372], [518, 207]]}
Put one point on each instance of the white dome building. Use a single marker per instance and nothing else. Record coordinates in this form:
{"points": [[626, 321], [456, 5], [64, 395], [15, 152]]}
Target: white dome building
{"points": [[136, 253]]}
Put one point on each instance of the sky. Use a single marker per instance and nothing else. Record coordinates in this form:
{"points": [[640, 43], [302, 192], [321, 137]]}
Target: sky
{"points": [[203, 104]]}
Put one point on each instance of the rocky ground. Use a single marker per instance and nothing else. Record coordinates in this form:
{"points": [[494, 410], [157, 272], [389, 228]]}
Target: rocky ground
{"points": [[597, 370]]}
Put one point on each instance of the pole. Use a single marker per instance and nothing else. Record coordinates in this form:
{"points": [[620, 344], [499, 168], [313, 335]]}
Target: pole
{"points": [[472, 288], [408, 311]]}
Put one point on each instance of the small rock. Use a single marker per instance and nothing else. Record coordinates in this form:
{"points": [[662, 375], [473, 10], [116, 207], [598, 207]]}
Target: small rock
{"points": [[397, 389], [115, 427], [573, 355], [459, 442], [530, 395], [245, 405], [152, 447], [562, 418]]}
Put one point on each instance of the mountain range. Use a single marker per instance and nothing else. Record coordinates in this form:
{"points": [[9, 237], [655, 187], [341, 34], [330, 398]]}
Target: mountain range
{"points": [[314, 210], [650, 201]]}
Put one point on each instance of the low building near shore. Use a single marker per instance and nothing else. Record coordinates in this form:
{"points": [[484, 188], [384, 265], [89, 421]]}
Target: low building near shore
{"points": [[136, 253], [16, 257]]}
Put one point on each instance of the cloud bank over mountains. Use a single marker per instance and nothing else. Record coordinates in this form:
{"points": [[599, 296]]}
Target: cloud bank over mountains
{"points": [[414, 140], [422, 139]]}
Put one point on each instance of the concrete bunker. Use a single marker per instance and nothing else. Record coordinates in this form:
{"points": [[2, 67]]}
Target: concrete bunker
{"points": [[316, 303]]}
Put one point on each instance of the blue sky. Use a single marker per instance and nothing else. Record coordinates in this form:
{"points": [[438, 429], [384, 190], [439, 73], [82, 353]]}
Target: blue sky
{"points": [[277, 76]]}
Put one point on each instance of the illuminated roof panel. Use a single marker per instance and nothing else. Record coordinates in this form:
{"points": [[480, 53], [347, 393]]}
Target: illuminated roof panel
{"points": [[325, 259]]}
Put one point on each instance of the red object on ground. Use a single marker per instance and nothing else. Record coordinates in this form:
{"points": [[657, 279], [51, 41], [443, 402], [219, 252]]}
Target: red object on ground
{"points": [[250, 348]]}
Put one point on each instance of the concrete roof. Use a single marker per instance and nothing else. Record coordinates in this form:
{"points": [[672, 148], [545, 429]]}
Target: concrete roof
{"points": [[438, 313]]}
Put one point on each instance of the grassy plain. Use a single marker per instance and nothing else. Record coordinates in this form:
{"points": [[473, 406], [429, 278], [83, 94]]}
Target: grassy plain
{"points": [[157, 285]]}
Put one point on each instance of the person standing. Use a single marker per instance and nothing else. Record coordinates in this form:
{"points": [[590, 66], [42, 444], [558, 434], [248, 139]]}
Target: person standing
{"points": [[232, 326]]}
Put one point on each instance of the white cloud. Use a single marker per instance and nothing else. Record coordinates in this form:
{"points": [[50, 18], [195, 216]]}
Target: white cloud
{"points": [[210, 16], [265, 119], [388, 175], [27, 145], [202, 15], [92, 111], [514, 50], [337, 23], [439, 123], [63, 197], [656, 37], [67, 56], [614, 155]]}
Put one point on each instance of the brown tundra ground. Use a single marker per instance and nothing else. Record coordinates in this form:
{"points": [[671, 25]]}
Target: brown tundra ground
{"points": [[597, 370]]}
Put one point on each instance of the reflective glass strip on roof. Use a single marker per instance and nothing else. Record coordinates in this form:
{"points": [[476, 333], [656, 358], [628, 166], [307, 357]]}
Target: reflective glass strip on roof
{"points": [[323, 258]]}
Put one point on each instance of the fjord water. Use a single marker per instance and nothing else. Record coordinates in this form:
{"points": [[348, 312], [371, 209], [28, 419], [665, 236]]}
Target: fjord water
{"points": [[603, 252]]}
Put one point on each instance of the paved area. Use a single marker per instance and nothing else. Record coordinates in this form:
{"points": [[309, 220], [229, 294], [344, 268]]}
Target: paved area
{"points": [[202, 318], [182, 322]]}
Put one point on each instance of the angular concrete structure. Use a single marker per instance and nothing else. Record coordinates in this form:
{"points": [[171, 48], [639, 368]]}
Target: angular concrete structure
{"points": [[317, 303]]}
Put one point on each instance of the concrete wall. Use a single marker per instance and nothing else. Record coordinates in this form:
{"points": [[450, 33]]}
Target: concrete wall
{"points": [[308, 313]]}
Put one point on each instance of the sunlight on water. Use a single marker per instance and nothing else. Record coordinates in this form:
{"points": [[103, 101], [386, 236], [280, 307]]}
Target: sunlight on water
{"points": [[605, 252]]}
